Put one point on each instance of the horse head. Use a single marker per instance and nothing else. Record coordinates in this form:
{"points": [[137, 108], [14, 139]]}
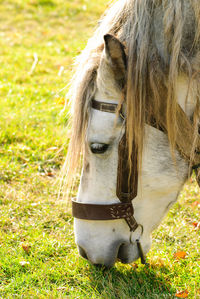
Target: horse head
{"points": [[134, 95], [103, 241]]}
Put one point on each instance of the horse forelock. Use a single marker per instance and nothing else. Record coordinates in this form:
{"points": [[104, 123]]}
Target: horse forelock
{"points": [[163, 40]]}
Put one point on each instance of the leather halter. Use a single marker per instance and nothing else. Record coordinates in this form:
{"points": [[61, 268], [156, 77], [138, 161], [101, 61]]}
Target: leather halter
{"points": [[125, 192]]}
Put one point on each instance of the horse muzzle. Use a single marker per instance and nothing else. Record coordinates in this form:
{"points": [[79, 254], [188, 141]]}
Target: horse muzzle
{"points": [[124, 252]]}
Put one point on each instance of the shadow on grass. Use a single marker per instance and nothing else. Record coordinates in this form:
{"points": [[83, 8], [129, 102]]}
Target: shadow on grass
{"points": [[125, 281]]}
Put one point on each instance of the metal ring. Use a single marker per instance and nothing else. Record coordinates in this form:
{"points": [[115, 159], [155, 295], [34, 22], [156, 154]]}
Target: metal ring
{"points": [[142, 230], [139, 225]]}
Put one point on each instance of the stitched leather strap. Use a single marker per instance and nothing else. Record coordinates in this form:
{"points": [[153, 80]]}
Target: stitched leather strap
{"points": [[101, 212], [104, 212]]}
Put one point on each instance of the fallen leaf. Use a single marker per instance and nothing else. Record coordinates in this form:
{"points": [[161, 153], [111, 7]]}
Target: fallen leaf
{"points": [[196, 224], [195, 203], [26, 248], [50, 174], [180, 254], [183, 294]]}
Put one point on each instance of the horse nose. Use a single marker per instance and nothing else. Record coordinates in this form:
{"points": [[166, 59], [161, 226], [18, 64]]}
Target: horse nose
{"points": [[101, 257]]}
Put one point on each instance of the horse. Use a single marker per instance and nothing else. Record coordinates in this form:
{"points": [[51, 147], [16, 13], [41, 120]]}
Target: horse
{"points": [[135, 122]]}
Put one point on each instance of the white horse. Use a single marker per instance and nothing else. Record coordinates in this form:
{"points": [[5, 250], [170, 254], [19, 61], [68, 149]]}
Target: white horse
{"points": [[155, 50]]}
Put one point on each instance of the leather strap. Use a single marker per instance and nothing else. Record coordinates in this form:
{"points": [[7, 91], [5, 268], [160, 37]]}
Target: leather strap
{"points": [[127, 178], [104, 107], [125, 190], [101, 212], [104, 212]]}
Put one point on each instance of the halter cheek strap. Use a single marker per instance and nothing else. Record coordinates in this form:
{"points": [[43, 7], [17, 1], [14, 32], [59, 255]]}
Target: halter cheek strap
{"points": [[125, 191]]}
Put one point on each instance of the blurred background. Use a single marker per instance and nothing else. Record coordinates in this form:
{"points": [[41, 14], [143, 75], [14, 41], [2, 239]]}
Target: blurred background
{"points": [[38, 258]]}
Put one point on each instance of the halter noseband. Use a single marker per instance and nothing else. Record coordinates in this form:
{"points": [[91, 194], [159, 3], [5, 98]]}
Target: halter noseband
{"points": [[125, 192]]}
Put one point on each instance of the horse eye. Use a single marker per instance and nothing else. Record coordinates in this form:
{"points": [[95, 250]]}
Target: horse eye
{"points": [[98, 148]]}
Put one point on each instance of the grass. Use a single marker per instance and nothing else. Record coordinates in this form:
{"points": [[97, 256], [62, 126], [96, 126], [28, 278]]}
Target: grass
{"points": [[38, 257]]}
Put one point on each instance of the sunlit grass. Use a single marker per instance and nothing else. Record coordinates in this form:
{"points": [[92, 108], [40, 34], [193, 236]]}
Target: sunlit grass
{"points": [[38, 42]]}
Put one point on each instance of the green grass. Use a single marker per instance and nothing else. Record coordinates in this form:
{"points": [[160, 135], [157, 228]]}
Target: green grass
{"points": [[33, 144]]}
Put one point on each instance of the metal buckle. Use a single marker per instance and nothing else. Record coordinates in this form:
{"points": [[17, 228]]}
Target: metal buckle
{"points": [[121, 115]]}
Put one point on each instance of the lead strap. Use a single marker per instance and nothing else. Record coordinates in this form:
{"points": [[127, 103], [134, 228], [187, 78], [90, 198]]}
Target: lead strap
{"points": [[141, 253]]}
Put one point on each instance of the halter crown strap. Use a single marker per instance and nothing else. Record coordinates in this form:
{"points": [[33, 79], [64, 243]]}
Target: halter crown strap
{"points": [[104, 107]]}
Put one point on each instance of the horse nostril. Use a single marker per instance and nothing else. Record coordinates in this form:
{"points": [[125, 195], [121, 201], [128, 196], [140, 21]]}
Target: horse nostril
{"points": [[82, 252], [121, 250], [123, 253]]}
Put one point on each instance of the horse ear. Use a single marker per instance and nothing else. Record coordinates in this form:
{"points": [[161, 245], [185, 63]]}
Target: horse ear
{"points": [[115, 55]]}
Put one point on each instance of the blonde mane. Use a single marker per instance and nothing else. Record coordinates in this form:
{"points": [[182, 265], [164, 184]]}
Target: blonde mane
{"points": [[162, 38]]}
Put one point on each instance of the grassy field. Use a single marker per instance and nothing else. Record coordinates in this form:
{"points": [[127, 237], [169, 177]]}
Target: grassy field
{"points": [[38, 257]]}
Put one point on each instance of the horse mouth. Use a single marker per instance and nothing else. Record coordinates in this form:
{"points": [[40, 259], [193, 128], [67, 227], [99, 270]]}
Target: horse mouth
{"points": [[127, 254]]}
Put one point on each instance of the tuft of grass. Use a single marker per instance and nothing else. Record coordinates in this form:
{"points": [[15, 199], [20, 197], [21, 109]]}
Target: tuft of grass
{"points": [[38, 257]]}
